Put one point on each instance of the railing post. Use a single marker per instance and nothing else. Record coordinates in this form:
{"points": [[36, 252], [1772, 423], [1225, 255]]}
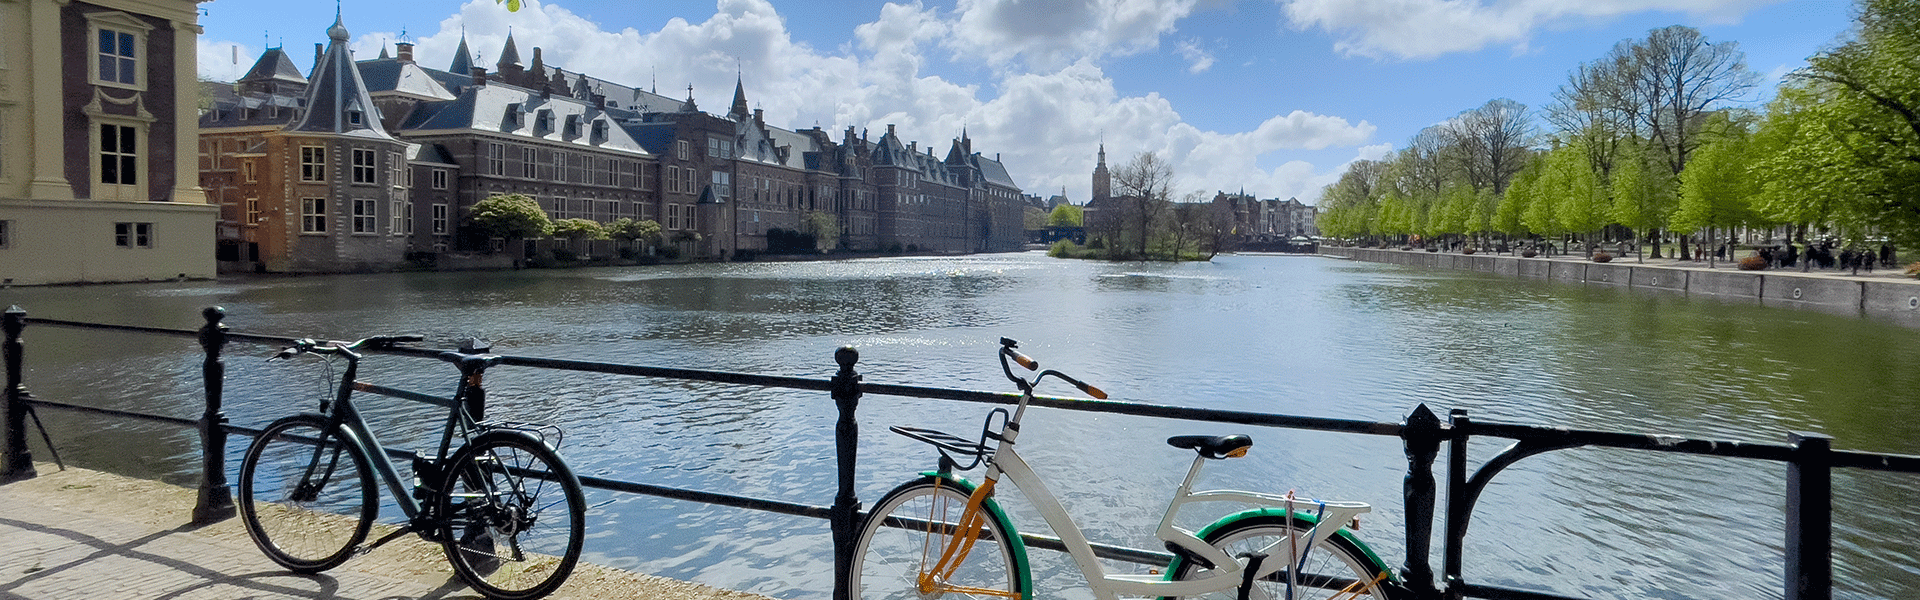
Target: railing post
{"points": [[1422, 436], [1457, 511], [846, 506], [1810, 517], [19, 462], [216, 499]]}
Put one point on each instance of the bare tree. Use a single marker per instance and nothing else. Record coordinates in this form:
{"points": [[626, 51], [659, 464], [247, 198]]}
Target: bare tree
{"points": [[1678, 77], [1493, 141], [1144, 185]]}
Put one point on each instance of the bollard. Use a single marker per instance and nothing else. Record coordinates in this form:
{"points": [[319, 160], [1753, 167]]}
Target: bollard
{"points": [[1422, 435], [19, 462], [1810, 517], [846, 506], [216, 498]]}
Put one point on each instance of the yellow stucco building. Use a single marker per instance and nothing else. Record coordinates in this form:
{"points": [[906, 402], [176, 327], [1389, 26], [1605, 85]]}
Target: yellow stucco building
{"points": [[99, 180]]}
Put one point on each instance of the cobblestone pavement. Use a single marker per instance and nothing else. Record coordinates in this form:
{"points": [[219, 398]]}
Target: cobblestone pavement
{"points": [[85, 534]]}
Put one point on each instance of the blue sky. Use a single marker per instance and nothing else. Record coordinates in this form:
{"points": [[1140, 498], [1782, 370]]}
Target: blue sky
{"points": [[1272, 96]]}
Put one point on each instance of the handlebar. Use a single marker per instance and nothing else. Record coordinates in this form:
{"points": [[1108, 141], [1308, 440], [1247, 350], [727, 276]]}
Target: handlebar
{"points": [[1008, 351], [378, 342]]}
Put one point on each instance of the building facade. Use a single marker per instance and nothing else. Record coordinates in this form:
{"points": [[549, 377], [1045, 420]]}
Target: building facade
{"points": [[97, 112], [720, 186]]}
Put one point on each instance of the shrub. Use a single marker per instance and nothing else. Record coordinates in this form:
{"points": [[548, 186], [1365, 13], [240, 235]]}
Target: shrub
{"points": [[1469, 250], [1753, 263], [1601, 257], [1529, 253]]}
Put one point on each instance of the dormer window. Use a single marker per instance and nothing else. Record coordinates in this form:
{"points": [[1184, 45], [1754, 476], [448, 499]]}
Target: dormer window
{"points": [[599, 132], [545, 120], [354, 118], [512, 120]]}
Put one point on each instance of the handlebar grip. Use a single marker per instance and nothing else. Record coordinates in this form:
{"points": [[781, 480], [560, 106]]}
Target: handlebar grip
{"points": [[1094, 391], [1029, 363]]}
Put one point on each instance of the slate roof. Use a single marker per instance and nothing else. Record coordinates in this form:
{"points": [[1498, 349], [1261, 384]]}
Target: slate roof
{"points": [[274, 65], [499, 108], [390, 75], [337, 93]]}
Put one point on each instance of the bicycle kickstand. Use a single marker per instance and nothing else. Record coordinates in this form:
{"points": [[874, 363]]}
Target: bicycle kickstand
{"points": [[1253, 567]]}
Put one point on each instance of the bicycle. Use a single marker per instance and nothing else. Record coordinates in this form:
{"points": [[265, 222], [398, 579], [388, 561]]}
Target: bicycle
{"points": [[507, 511], [942, 535]]}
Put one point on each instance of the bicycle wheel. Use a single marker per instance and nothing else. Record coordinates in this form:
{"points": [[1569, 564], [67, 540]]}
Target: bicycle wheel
{"points": [[515, 516], [908, 531], [1333, 566], [306, 496]]}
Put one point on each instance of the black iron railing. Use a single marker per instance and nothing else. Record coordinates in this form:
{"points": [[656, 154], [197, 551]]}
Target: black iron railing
{"points": [[1809, 457]]}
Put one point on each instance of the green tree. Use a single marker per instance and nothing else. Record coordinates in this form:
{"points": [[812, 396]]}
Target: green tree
{"points": [[1570, 183], [510, 216], [1716, 191], [631, 230], [1857, 148], [1508, 217], [824, 227], [1066, 215], [1033, 217], [1642, 196]]}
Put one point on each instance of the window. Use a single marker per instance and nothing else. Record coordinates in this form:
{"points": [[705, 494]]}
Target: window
{"points": [[721, 185], [119, 155], [529, 163], [364, 165], [364, 214], [395, 165], [246, 171], [6, 234], [440, 219], [313, 215], [398, 213], [253, 210], [118, 56], [313, 163], [497, 159], [680, 149], [439, 179], [576, 168], [646, 176], [133, 235], [673, 216]]}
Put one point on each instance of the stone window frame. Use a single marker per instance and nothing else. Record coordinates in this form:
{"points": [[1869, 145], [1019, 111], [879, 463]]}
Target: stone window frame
{"points": [[440, 219], [313, 216], [121, 24], [103, 190], [400, 220], [313, 164], [130, 235], [368, 172], [439, 179], [366, 216]]}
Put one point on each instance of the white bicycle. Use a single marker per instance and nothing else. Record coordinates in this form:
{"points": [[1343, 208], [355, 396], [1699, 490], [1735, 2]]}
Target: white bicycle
{"points": [[940, 535]]}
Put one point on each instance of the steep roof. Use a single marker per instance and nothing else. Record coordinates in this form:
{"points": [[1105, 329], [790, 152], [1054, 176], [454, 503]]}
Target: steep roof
{"points": [[462, 59], [505, 109], [274, 66], [337, 100], [389, 75]]}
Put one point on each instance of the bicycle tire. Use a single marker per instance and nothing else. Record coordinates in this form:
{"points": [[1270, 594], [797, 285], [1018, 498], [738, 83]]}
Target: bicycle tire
{"points": [[303, 523], [1331, 563], [898, 538], [514, 514]]}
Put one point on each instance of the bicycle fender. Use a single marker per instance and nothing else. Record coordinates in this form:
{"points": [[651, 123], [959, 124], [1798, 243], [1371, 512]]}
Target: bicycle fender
{"points": [[1017, 544], [1298, 516]]}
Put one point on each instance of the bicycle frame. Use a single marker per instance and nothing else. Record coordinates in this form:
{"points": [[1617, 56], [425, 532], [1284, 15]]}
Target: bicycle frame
{"points": [[344, 418], [1230, 572]]}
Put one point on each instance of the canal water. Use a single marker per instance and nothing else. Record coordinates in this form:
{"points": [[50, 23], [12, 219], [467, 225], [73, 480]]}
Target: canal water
{"points": [[1280, 334]]}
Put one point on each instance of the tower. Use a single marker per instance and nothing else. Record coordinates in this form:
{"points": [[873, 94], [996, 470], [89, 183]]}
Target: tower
{"points": [[1102, 180]]}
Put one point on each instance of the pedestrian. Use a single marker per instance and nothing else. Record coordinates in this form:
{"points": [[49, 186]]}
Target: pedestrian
{"points": [[1886, 255], [1792, 254]]}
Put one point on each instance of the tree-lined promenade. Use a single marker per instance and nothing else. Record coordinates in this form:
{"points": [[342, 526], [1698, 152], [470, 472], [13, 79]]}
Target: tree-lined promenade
{"points": [[1650, 142]]}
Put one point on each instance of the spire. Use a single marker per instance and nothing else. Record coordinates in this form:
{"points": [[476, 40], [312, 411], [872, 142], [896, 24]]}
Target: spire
{"points": [[1103, 154], [739, 111], [383, 51], [462, 58], [689, 106], [509, 55]]}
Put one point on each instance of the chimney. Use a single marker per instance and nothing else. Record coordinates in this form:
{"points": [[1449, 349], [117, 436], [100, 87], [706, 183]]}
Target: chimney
{"points": [[996, 157], [537, 63], [405, 51], [317, 53], [912, 147], [480, 76], [757, 120], [600, 101], [889, 129]]}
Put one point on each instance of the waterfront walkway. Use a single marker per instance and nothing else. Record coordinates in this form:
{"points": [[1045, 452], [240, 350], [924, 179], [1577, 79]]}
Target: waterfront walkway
{"points": [[86, 534]]}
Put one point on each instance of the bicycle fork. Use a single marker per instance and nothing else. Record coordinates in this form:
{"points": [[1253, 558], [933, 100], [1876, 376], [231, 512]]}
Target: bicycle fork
{"points": [[959, 544]]}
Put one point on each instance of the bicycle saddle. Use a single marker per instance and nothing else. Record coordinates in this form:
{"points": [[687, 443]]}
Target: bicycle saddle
{"points": [[1213, 446]]}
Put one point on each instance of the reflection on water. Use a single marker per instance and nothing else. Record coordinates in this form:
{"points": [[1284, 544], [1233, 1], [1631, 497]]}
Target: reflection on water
{"points": [[1291, 335]]}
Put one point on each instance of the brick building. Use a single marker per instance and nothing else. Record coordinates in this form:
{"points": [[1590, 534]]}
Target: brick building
{"points": [[583, 147]]}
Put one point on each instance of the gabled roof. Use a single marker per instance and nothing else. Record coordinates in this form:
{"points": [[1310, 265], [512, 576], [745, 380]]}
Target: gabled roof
{"points": [[994, 172], [274, 65]]}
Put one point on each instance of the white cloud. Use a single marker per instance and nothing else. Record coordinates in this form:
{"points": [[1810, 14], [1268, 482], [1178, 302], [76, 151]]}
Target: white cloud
{"points": [[1419, 29], [1200, 59], [1045, 124], [1047, 34]]}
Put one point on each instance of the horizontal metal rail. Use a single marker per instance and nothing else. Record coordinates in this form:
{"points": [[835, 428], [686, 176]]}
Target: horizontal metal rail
{"points": [[1808, 457]]}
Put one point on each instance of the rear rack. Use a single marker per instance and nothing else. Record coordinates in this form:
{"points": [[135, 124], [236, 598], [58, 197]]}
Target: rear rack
{"points": [[551, 435], [946, 442]]}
